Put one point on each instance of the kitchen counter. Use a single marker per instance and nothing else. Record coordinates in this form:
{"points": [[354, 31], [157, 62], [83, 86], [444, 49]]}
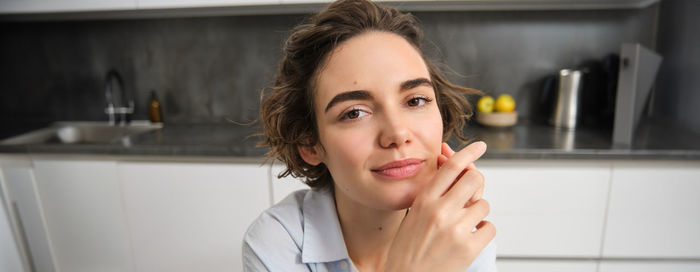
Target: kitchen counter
{"points": [[172, 140], [653, 141]]}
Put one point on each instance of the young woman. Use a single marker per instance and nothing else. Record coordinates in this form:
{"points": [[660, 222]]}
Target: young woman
{"points": [[359, 113]]}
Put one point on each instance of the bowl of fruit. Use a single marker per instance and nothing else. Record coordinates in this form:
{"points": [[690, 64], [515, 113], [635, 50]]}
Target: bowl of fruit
{"points": [[496, 113]]}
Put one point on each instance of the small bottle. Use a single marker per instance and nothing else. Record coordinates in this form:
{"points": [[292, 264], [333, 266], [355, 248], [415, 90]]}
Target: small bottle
{"points": [[156, 114]]}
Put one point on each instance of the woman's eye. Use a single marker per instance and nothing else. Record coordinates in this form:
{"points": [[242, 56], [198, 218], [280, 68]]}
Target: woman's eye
{"points": [[418, 101], [353, 114]]}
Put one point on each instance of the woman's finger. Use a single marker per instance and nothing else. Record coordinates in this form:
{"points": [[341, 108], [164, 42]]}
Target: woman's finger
{"points": [[465, 188], [474, 214], [445, 153], [485, 232], [453, 167], [480, 192], [447, 150], [441, 159]]}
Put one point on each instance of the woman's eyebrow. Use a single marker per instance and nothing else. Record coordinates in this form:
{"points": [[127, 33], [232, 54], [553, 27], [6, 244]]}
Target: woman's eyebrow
{"points": [[412, 83], [350, 95]]}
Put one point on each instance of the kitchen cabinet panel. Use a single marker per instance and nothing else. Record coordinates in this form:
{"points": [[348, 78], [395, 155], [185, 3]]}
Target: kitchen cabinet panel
{"points": [[546, 265], [306, 1], [654, 210], [443, 5], [649, 266], [547, 208], [40, 6], [24, 209], [281, 188], [82, 206], [179, 7], [10, 259], [191, 217], [200, 3]]}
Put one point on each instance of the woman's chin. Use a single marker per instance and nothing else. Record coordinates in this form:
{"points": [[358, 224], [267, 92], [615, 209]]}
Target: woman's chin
{"points": [[400, 198]]}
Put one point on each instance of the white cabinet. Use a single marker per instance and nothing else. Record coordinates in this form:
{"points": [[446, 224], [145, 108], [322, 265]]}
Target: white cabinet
{"points": [[200, 3], [654, 211], [121, 215], [546, 266], [39, 6], [277, 6], [305, 1], [547, 208], [281, 188], [189, 216], [649, 266], [82, 206], [83, 215], [11, 246], [25, 214], [10, 259], [34, 6]]}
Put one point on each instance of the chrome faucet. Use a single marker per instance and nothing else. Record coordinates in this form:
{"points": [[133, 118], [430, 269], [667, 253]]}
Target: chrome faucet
{"points": [[115, 98]]}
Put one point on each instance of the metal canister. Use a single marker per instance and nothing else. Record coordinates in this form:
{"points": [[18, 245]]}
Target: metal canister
{"points": [[567, 101]]}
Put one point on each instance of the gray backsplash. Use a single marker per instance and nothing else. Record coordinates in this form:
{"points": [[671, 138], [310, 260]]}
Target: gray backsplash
{"points": [[677, 93], [211, 68]]}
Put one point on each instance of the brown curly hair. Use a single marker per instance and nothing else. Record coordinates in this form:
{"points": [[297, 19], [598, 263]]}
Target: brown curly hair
{"points": [[287, 111]]}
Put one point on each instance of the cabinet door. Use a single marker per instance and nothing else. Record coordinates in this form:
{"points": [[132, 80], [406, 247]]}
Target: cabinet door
{"points": [[654, 210], [10, 257], [546, 266], [26, 215], [306, 1], [35, 6], [200, 3], [191, 217], [11, 246], [281, 188], [546, 208], [649, 266], [82, 206]]}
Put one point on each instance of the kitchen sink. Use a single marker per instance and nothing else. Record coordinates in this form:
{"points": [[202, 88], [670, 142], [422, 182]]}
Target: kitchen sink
{"points": [[82, 133]]}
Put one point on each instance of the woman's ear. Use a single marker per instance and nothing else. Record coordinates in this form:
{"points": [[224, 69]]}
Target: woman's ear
{"points": [[310, 154]]}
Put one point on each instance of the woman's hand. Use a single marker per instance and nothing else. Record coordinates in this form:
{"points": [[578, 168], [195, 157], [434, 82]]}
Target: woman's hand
{"points": [[446, 153], [437, 233]]}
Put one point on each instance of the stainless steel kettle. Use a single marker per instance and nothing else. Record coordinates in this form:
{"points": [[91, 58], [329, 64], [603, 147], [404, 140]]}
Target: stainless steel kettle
{"points": [[566, 105], [584, 96]]}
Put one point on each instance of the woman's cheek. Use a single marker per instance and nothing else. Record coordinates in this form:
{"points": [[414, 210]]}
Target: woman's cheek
{"points": [[349, 145], [430, 129]]}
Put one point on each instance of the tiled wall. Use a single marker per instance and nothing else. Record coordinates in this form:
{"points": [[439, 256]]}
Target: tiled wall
{"points": [[207, 69], [677, 93]]}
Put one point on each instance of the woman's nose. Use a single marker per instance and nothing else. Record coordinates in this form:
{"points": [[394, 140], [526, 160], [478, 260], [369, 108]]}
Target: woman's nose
{"points": [[394, 131]]}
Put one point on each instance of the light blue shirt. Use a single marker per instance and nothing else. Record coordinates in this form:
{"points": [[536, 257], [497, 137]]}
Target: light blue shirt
{"points": [[302, 233]]}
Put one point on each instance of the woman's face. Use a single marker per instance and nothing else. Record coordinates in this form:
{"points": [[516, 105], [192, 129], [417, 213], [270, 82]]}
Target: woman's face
{"points": [[379, 125]]}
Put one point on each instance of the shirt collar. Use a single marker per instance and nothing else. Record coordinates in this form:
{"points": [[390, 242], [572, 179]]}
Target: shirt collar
{"points": [[323, 238]]}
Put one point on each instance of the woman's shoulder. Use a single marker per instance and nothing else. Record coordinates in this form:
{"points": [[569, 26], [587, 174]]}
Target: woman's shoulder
{"points": [[283, 218], [274, 240], [290, 205]]}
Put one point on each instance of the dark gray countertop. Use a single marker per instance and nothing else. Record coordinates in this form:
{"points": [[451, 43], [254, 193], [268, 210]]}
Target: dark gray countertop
{"points": [[535, 141], [523, 141], [171, 140]]}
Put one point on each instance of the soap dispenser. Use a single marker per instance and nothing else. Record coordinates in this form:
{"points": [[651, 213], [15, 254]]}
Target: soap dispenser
{"points": [[156, 113]]}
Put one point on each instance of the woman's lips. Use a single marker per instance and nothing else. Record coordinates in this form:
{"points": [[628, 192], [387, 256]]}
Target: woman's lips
{"points": [[399, 169]]}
